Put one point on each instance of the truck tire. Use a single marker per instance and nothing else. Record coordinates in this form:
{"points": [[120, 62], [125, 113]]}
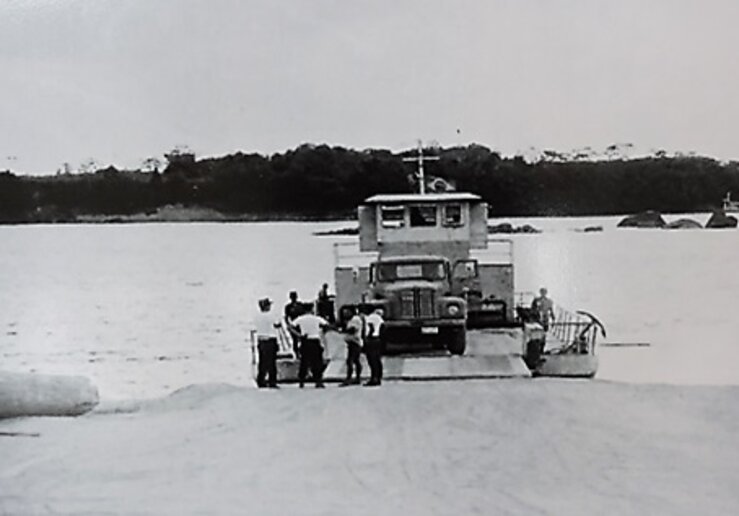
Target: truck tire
{"points": [[456, 340]]}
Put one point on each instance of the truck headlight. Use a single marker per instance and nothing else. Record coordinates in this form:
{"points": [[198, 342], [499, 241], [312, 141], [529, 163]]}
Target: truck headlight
{"points": [[452, 310]]}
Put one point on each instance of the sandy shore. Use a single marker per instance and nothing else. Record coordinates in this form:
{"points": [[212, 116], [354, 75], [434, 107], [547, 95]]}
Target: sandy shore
{"points": [[478, 447]]}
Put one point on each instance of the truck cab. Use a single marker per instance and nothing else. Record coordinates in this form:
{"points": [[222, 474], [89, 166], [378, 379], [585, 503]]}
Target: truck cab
{"points": [[415, 293]]}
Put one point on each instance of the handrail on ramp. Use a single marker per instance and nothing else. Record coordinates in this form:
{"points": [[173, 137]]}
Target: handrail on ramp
{"points": [[577, 331]]}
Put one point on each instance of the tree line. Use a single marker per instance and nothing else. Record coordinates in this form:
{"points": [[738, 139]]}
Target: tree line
{"points": [[319, 181]]}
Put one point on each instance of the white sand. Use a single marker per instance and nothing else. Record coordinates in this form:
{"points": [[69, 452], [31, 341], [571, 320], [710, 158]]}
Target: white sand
{"points": [[476, 447]]}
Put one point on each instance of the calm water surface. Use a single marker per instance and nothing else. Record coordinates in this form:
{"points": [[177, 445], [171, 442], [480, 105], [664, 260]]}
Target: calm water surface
{"points": [[145, 309]]}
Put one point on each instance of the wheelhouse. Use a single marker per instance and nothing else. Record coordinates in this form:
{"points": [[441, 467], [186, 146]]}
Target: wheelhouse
{"points": [[448, 224]]}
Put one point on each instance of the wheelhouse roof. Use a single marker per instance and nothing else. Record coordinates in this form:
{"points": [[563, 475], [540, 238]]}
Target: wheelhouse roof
{"points": [[422, 198]]}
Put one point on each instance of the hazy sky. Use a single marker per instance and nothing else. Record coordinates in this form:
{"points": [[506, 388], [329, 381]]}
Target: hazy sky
{"points": [[120, 80]]}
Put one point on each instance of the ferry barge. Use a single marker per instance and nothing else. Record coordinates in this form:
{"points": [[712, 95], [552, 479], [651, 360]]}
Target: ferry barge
{"points": [[448, 296]]}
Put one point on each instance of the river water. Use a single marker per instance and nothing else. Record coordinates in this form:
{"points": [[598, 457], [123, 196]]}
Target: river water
{"points": [[144, 309]]}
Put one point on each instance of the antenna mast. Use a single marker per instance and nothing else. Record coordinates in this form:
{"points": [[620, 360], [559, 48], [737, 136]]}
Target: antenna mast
{"points": [[420, 159]]}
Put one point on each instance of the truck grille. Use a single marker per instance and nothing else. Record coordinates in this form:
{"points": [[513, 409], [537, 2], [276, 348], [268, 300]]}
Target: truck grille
{"points": [[417, 303]]}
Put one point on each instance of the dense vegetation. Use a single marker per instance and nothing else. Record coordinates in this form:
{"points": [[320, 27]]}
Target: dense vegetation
{"points": [[322, 181]]}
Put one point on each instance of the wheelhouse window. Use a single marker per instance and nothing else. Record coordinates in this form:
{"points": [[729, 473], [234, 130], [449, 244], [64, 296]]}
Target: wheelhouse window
{"points": [[423, 216], [453, 215], [392, 216]]}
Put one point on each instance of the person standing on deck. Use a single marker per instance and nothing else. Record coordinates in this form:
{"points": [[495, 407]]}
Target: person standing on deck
{"points": [[543, 307], [266, 325], [354, 337], [293, 309], [325, 304], [311, 328], [373, 346]]}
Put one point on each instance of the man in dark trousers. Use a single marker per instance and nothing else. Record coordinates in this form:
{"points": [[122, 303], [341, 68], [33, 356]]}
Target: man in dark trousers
{"points": [[311, 328], [543, 307], [373, 346], [325, 304], [355, 329], [266, 324]]}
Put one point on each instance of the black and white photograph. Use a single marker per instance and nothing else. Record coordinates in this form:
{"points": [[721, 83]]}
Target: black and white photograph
{"points": [[363, 257]]}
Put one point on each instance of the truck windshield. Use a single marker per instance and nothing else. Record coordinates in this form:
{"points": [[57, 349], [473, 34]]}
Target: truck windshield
{"points": [[406, 271]]}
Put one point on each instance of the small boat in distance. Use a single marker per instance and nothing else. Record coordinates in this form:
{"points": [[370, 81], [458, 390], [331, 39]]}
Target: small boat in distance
{"points": [[730, 206]]}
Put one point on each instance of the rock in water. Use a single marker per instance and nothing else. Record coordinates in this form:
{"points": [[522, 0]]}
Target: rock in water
{"points": [[683, 224], [30, 394], [719, 219], [647, 219], [506, 227]]}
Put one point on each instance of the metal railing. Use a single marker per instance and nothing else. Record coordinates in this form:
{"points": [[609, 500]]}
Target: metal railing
{"points": [[347, 254], [285, 347], [567, 332], [576, 331]]}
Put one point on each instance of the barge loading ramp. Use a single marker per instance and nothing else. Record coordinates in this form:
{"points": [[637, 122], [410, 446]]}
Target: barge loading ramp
{"points": [[491, 353]]}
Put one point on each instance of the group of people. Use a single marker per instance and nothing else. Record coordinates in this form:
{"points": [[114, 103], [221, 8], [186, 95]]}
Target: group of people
{"points": [[363, 333], [305, 332]]}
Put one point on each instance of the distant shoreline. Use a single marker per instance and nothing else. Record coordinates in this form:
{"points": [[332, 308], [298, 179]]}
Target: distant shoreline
{"points": [[320, 182], [177, 213], [184, 214]]}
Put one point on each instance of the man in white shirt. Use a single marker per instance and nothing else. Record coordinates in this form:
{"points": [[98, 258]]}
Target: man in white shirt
{"points": [[266, 325], [373, 346], [311, 328]]}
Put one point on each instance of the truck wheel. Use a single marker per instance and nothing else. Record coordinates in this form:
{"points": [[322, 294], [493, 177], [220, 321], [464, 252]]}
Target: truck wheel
{"points": [[456, 340]]}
